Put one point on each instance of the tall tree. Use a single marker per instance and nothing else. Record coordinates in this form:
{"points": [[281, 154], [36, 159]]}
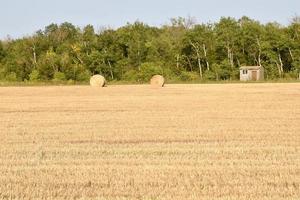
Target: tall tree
{"points": [[227, 34], [199, 41]]}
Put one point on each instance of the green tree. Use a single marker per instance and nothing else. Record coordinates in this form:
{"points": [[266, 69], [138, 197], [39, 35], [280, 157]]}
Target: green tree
{"points": [[178, 50], [250, 42], [227, 33], [198, 44]]}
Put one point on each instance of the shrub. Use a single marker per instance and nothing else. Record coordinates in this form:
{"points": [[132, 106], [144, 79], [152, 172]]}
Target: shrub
{"points": [[131, 75], [225, 71], [84, 76], [169, 74], [209, 75], [34, 75], [12, 76], [148, 70], [2, 74], [188, 76], [71, 82], [59, 76]]}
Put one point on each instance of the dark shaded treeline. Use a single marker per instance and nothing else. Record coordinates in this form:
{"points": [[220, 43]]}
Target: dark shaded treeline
{"points": [[180, 51]]}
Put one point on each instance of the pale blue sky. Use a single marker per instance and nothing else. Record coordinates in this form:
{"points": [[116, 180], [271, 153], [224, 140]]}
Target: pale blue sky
{"points": [[23, 17]]}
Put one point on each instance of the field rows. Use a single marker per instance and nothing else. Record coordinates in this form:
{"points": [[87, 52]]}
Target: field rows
{"points": [[239, 141]]}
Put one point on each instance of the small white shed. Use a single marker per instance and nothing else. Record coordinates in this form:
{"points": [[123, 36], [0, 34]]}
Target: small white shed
{"points": [[252, 73]]}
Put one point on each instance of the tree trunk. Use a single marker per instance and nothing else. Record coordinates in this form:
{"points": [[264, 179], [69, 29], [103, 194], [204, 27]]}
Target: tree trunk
{"points": [[198, 59], [217, 76], [228, 53], [34, 56], [200, 67], [205, 55], [190, 64], [110, 68], [259, 58], [239, 63], [278, 67], [230, 56], [177, 61], [291, 54], [259, 52], [231, 60], [280, 61], [255, 59]]}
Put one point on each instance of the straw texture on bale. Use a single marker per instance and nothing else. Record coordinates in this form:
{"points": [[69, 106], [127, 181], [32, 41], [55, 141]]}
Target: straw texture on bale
{"points": [[157, 81], [97, 81]]}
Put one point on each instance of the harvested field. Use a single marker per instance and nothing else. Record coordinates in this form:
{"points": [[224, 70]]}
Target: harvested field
{"points": [[209, 142]]}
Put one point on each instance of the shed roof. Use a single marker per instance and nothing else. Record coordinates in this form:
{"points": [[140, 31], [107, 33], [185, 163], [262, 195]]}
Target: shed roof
{"points": [[251, 67]]}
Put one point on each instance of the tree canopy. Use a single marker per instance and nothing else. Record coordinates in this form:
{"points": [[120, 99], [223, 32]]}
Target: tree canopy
{"points": [[181, 50]]}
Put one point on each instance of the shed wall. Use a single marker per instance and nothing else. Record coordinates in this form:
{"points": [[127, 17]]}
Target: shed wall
{"points": [[248, 76]]}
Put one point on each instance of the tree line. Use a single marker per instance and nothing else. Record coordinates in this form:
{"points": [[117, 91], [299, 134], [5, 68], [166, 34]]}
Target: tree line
{"points": [[181, 50]]}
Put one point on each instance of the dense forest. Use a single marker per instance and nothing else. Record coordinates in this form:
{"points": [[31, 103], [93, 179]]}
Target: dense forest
{"points": [[181, 50]]}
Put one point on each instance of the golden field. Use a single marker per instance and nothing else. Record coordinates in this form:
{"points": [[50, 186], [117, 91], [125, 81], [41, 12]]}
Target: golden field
{"points": [[210, 142]]}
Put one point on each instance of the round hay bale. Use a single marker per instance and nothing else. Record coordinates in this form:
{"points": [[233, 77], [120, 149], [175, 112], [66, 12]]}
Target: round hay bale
{"points": [[97, 81], [157, 81]]}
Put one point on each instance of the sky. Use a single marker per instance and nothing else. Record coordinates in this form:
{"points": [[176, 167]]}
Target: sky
{"points": [[19, 18]]}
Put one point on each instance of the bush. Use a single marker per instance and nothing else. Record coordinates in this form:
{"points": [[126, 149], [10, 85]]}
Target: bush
{"points": [[70, 82], [34, 75], [189, 76], [209, 75], [169, 74], [148, 70], [59, 76], [2, 74], [271, 71], [84, 76], [131, 75], [12, 76], [225, 71], [292, 75]]}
